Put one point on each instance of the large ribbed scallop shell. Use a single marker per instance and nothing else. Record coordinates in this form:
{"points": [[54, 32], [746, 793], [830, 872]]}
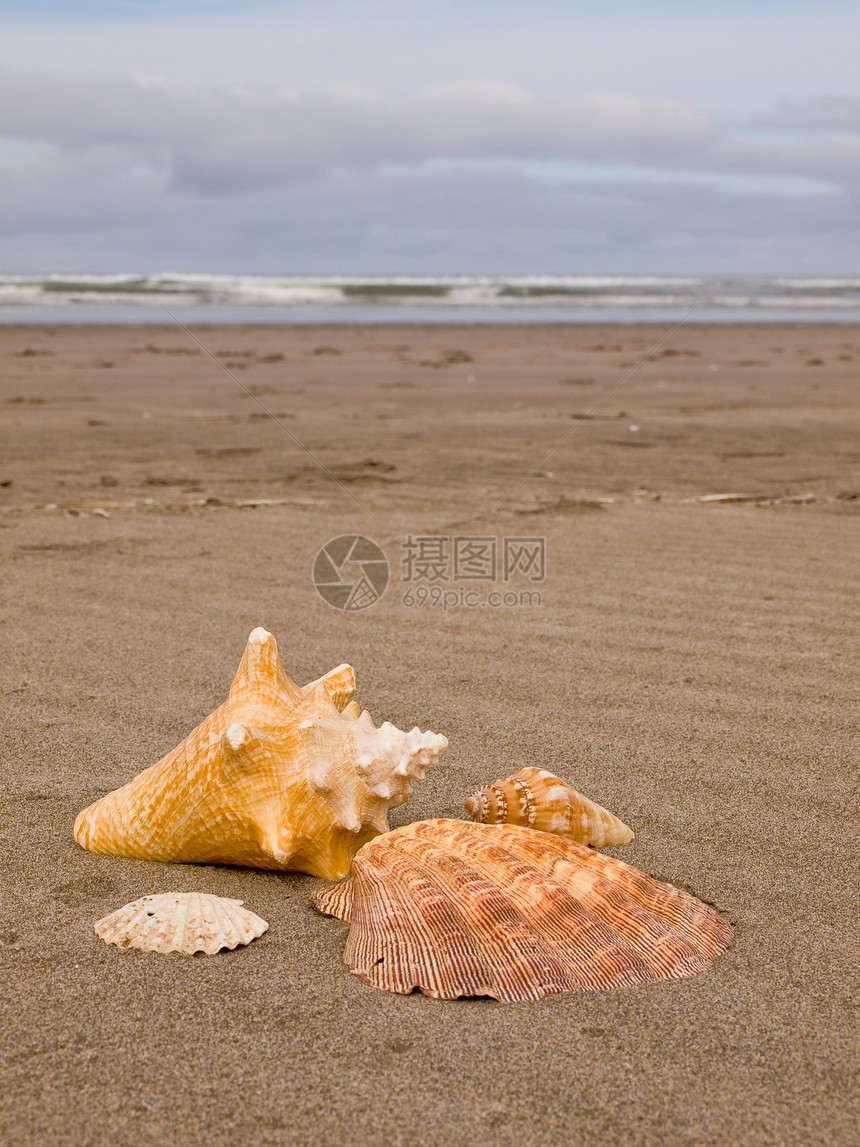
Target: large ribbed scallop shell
{"points": [[537, 799], [277, 777], [181, 922], [460, 909]]}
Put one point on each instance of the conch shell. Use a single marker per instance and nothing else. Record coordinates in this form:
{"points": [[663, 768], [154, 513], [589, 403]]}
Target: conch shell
{"points": [[537, 799], [186, 922], [277, 777], [460, 909]]}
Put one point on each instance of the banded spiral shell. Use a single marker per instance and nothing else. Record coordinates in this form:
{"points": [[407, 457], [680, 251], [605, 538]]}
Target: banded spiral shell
{"points": [[185, 922], [460, 909], [278, 777], [537, 799]]}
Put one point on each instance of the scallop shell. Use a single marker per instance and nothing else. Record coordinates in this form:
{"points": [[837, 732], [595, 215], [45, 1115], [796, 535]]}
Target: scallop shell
{"points": [[537, 799], [181, 922], [460, 909], [277, 777]]}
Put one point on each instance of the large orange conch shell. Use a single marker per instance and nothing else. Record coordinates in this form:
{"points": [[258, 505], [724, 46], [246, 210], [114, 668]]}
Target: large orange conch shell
{"points": [[277, 777], [537, 799], [460, 909]]}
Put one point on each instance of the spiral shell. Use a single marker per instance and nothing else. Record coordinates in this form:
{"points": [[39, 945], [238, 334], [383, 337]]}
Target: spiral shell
{"points": [[460, 909], [535, 798], [277, 777], [181, 922]]}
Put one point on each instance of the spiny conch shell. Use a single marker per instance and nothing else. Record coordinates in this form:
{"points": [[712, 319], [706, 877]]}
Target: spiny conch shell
{"points": [[537, 799], [277, 777], [460, 909], [181, 922]]}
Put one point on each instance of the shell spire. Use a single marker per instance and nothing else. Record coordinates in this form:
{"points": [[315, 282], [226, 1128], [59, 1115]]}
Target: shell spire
{"points": [[260, 672], [277, 777], [339, 684], [536, 799]]}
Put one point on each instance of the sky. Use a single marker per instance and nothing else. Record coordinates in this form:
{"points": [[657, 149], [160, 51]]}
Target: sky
{"points": [[428, 136]]}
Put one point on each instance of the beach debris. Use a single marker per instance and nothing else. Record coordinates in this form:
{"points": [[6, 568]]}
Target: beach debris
{"points": [[186, 922], [538, 799], [150, 505], [562, 505], [278, 777], [460, 909], [769, 498]]}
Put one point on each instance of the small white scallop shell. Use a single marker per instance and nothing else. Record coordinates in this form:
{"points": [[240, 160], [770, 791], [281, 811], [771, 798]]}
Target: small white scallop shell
{"points": [[181, 922]]}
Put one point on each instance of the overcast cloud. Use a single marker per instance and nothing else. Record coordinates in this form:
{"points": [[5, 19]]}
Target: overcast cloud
{"points": [[108, 172]]}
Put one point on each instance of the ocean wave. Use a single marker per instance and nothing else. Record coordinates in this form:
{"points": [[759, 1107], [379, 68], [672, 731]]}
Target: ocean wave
{"points": [[529, 294]]}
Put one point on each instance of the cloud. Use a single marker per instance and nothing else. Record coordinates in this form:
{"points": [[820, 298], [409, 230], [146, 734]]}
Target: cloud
{"points": [[217, 139], [414, 219], [825, 113], [731, 57], [462, 177]]}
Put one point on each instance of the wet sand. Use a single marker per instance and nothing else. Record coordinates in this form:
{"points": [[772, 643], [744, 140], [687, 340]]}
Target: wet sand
{"points": [[692, 666]]}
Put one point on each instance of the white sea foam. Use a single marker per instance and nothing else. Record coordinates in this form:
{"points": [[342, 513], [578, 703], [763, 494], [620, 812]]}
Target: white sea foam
{"points": [[425, 296]]}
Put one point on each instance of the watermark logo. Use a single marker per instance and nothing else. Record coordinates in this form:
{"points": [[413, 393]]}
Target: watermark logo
{"points": [[441, 559], [442, 571], [438, 571], [351, 572]]}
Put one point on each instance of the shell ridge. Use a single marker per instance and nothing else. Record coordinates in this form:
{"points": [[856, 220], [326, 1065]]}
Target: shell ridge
{"points": [[336, 900], [440, 938], [655, 919], [573, 952], [681, 916], [510, 950], [568, 924], [469, 965], [527, 802], [601, 935], [224, 924], [197, 922], [436, 929], [381, 956], [686, 914], [179, 916], [242, 930], [501, 802], [683, 913]]}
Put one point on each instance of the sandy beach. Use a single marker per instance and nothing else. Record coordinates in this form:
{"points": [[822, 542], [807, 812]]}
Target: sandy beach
{"points": [[691, 665]]}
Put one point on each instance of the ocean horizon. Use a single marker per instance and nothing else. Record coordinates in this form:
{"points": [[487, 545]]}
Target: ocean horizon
{"points": [[198, 297]]}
